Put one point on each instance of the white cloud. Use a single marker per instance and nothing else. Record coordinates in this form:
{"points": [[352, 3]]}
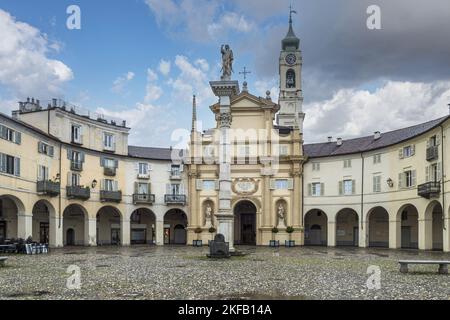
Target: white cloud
{"points": [[230, 21], [153, 91], [25, 68], [352, 113], [203, 64], [164, 67], [120, 83]]}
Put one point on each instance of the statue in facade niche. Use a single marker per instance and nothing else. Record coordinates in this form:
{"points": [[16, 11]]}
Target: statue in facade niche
{"points": [[208, 211], [281, 212], [227, 62]]}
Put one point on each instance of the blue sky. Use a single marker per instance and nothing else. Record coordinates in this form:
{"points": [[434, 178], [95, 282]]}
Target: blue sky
{"points": [[113, 64]]}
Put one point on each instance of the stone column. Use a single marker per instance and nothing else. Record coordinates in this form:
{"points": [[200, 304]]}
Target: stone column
{"points": [[159, 232], [425, 233], [446, 235], [395, 241], [125, 232], [56, 232], [225, 219], [90, 232], [24, 226], [331, 229]]}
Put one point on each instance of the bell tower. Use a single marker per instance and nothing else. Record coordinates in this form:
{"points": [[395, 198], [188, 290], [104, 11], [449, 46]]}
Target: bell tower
{"points": [[291, 94]]}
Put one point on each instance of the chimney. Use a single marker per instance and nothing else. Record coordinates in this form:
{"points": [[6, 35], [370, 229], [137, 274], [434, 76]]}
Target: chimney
{"points": [[330, 139], [38, 103], [339, 141], [124, 123], [32, 100], [377, 135], [54, 103], [28, 99]]}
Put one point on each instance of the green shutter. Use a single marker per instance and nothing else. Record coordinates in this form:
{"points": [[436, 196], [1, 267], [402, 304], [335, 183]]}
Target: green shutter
{"points": [[427, 174], [17, 167], [17, 137], [401, 154], [322, 189], [353, 186], [414, 178], [341, 188], [136, 187], [439, 172], [51, 151], [400, 180], [310, 189]]}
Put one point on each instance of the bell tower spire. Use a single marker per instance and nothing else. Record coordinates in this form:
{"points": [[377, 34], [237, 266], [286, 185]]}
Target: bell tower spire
{"points": [[290, 69], [194, 114]]}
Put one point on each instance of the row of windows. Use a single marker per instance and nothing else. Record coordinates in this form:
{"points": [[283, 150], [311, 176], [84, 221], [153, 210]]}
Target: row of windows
{"points": [[10, 135], [347, 163], [109, 139]]}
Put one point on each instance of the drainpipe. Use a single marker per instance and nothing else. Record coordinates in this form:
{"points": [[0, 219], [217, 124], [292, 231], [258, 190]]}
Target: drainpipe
{"points": [[443, 177], [362, 192], [60, 180]]}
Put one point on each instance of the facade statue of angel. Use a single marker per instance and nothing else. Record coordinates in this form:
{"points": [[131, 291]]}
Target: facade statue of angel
{"points": [[227, 62]]}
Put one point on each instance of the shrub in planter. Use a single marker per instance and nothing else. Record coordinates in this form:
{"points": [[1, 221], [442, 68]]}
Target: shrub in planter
{"points": [[290, 242], [273, 242], [198, 243]]}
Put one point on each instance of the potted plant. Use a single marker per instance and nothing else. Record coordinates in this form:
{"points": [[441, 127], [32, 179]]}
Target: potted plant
{"points": [[274, 243], [290, 243], [211, 230], [198, 242]]}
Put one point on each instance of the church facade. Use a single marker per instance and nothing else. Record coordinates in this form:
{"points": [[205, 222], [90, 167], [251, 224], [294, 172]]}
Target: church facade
{"points": [[70, 178]]}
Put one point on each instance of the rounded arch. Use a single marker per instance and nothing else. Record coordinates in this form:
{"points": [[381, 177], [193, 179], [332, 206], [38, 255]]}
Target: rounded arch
{"points": [[174, 219], [75, 225], [434, 226], [378, 227], [44, 215], [109, 226], [316, 228], [347, 227], [11, 208], [253, 200], [44, 205], [142, 226], [245, 212], [407, 227]]}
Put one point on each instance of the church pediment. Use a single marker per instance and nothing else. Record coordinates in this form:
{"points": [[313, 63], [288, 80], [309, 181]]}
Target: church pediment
{"points": [[246, 101]]}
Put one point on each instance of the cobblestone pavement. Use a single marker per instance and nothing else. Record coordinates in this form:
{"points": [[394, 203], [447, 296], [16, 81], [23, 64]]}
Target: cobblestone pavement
{"points": [[186, 273]]}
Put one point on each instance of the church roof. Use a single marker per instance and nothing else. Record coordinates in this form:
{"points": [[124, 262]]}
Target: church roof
{"points": [[364, 144], [150, 153]]}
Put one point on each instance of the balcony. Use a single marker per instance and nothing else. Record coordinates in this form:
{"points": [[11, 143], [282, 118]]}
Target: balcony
{"points": [[110, 196], [109, 171], [143, 198], [429, 190], [143, 176], [76, 192], [432, 153], [175, 199], [76, 166], [49, 188]]}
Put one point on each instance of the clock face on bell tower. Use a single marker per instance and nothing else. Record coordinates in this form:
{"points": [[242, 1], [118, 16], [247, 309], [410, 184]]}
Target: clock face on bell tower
{"points": [[291, 59]]}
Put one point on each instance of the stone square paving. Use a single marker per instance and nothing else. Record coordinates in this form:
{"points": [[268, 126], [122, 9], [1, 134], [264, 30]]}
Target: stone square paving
{"points": [[173, 272]]}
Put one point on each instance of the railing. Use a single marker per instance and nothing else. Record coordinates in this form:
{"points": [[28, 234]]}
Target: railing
{"points": [[143, 176], [109, 171], [144, 198], [110, 196], [432, 153], [49, 188], [175, 199], [76, 166], [429, 190], [76, 192]]}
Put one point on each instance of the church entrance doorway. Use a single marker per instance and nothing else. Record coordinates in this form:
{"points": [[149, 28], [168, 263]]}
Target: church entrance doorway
{"points": [[245, 223]]}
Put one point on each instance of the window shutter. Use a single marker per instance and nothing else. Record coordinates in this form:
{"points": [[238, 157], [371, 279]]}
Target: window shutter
{"points": [[82, 157], [310, 189], [427, 174], [2, 132], [341, 188], [439, 172], [429, 142], [102, 161], [290, 184], [51, 151], [169, 167], [149, 188], [353, 186], [199, 184], [2, 162], [17, 167], [69, 154], [414, 177], [116, 186], [114, 142], [150, 167], [413, 150], [40, 147], [272, 184], [168, 191], [181, 168], [17, 137], [136, 166], [102, 184], [322, 189], [400, 180], [182, 188], [116, 163], [375, 184], [136, 187], [438, 140], [39, 173], [400, 154]]}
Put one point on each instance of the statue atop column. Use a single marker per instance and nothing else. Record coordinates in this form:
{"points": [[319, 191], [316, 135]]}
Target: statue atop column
{"points": [[227, 62]]}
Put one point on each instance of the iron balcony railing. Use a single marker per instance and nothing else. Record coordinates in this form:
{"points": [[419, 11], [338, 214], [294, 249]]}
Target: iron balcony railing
{"points": [[76, 166], [110, 196], [429, 190], [144, 198], [48, 187], [109, 171], [432, 153], [76, 192], [175, 199]]}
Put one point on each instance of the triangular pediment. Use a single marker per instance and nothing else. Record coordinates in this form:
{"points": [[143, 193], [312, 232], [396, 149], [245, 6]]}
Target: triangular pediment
{"points": [[248, 101]]}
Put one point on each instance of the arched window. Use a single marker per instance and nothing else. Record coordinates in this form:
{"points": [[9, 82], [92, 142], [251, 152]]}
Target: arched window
{"points": [[290, 79]]}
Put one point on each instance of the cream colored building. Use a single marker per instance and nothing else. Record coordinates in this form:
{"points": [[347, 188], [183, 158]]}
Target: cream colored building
{"points": [[69, 177]]}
